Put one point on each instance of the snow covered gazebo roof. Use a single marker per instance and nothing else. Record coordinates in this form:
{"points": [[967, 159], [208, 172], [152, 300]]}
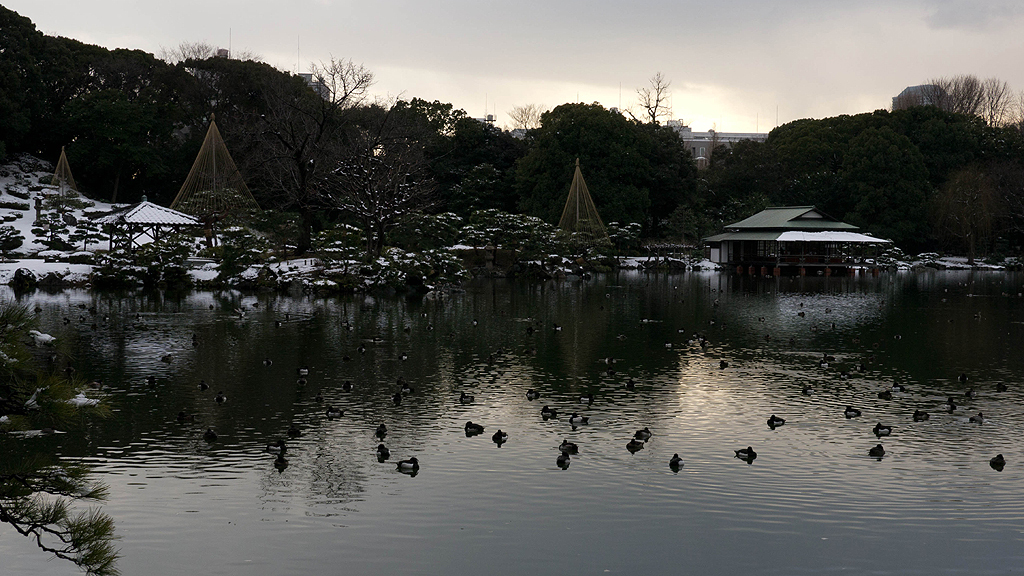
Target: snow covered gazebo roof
{"points": [[148, 214], [145, 222]]}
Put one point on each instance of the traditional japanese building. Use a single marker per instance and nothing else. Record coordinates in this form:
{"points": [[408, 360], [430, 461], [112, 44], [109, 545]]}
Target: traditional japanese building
{"points": [[793, 239]]}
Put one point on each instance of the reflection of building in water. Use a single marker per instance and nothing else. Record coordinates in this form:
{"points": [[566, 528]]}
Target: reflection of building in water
{"points": [[797, 238]]}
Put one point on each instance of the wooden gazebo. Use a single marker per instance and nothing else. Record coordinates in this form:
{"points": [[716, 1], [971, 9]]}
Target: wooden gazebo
{"points": [[145, 222]]}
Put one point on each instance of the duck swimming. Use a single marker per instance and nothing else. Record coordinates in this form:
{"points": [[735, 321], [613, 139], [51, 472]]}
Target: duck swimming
{"points": [[302, 371], [644, 434], [294, 432], [473, 429], [774, 421], [280, 463], [410, 465], [500, 437], [921, 415], [466, 398], [210, 435], [634, 446], [562, 460], [333, 412], [277, 447], [347, 386], [851, 412], [880, 430], [568, 447], [221, 398], [397, 398], [546, 413], [878, 451], [381, 431], [997, 462], [577, 419], [532, 394], [885, 395], [1001, 387], [978, 419], [203, 385], [950, 404], [587, 399], [382, 452], [747, 454], [675, 461]]}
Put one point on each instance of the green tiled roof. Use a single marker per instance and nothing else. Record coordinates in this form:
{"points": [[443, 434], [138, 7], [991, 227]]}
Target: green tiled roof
{"points": [[790, 218]]}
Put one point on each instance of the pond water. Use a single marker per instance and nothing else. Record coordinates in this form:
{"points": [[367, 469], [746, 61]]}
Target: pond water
{"points": [[813, 501]]}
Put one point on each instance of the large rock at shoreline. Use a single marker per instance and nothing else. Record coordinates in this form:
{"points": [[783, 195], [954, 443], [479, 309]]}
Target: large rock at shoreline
{"points": [[24, 279]]}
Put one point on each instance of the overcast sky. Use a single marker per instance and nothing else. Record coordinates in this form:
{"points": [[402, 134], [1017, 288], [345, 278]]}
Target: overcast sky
{"points": [[733, 64]]}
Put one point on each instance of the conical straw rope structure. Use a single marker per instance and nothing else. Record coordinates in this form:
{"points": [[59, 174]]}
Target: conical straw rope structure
{"points": [[580, 219], [214, 186], [62, 178]]}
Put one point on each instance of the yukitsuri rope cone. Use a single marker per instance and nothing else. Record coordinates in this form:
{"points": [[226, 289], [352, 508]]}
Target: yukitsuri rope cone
{"points": [[214, 186], [62, 177], [580, 221]]}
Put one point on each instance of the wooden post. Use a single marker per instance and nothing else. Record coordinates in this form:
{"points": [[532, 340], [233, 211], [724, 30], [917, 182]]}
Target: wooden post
{"points": [[828, 271], [803, 271]]}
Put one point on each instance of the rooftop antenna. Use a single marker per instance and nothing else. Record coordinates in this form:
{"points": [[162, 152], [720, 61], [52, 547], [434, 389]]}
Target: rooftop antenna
{"points": [[229, 42], [776, 115], [757, 120], [620, 95], [298, 52]]}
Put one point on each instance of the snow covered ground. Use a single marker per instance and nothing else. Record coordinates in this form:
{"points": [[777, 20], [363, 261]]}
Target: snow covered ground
{"points": [[20, 187]]}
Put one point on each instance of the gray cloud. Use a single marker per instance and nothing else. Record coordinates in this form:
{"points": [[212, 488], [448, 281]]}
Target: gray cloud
{"points": [[731, 63]]}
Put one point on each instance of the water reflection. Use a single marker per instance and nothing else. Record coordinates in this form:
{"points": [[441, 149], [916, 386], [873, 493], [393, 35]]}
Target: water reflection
{"points": [[700, 361]]}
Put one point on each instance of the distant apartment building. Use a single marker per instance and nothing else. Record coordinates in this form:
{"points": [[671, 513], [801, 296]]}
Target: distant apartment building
{"points": [[702, 144], [921, 95]]}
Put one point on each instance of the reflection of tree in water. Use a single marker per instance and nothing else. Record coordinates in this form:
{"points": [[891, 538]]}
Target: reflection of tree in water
{"points": [[37, 491]]}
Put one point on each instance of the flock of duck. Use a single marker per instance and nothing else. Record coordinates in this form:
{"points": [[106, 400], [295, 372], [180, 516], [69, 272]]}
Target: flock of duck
{"points": [[568, 449]]}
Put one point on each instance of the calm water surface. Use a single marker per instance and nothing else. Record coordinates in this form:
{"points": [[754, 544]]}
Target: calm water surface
{"points": [[812, 502]]}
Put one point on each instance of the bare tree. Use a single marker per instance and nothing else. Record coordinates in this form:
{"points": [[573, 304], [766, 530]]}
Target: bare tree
{"points": [[654, 100], [1015, 114], [996, 101], [300, 135], [525, 117], [382, 177], [966, 208], [989, 99], [200, 50]]}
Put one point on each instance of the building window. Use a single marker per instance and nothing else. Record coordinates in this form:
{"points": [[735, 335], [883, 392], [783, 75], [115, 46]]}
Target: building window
{"points": [[701, 150]]}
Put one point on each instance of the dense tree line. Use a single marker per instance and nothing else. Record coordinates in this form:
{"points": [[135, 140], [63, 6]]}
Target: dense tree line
{"points": [[884, 171], [132, 124]]}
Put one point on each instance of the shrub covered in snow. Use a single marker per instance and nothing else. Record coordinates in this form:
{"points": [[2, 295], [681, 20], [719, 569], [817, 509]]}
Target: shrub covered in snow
{"points": [[239, 249], [529, 236], [162, 262], [420, 231], [396, 268], [10, 239]]}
